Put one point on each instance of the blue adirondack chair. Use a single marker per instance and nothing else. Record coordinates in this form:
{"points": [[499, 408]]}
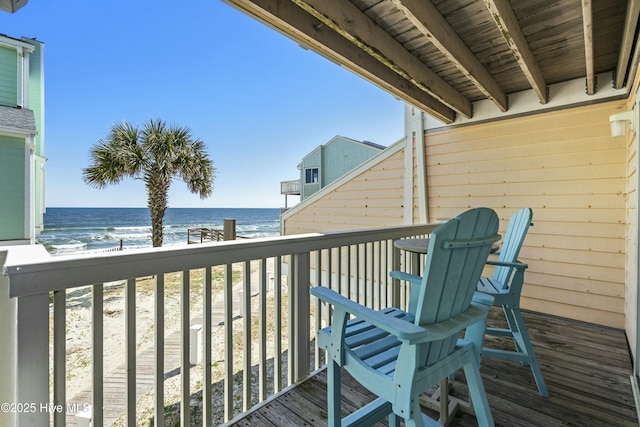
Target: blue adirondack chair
{"points": [[505, 286], [398, 355]]}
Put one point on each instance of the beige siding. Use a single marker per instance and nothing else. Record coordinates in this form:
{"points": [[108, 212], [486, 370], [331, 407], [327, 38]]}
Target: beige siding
{"points": [[374, 198], [571, 172], [579, 181]]}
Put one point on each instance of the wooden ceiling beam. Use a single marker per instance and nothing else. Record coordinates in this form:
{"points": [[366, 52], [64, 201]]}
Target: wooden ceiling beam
{"points": [[309, 32], [626, 47], [587, 25], [350, 22], [507, 22], [11, 5], [428, 20]]}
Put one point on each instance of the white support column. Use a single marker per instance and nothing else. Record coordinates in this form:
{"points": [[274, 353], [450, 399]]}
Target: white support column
{"points": [[408, 178], [300, 302], [20, 75], [25, 79], [414, 131], [633, 325], [32, 358], [635, 315], [24, 353], [30, 190], [8, 336]]}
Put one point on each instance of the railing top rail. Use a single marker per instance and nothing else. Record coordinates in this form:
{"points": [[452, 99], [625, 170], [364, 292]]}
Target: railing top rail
{"points": [[32, 271]]}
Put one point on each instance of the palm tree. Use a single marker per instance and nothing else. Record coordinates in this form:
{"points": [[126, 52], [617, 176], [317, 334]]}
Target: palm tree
{"points": [[156, 154]]}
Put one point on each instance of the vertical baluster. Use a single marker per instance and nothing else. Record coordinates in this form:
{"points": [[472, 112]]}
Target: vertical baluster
{"points": [[262, 333], [291, 325], [98, 355], [318, 306], [59, 355], [228, 342], [360, 289], [246, 336], [368, 276], [355, 270], [393, 263], [380, 271], [377, 269], [130, 337], [159, 351], [353, 276], [347, 272], [361, 273], [207, 412], [277, 296], [330, 283], [339, 272], [185, 363], [375, 274], [299, 298], [407, 268]]}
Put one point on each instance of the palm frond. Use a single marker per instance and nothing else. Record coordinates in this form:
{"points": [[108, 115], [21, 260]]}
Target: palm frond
{"points": [[157, 153]]}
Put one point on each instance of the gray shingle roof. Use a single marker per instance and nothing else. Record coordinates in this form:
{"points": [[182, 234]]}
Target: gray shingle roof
{"points": [[19, 119]]}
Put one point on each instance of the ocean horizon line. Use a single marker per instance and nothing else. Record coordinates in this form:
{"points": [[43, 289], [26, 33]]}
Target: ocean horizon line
{"points": [[145, 207], [74, 229]]}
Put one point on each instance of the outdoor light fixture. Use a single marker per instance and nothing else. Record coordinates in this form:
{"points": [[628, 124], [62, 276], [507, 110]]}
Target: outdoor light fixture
{"points": [[618, 120]]}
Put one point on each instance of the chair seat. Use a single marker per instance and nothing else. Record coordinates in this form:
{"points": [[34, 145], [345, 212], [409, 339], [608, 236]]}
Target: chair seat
{"points": [[375, 347], [493, 287]]}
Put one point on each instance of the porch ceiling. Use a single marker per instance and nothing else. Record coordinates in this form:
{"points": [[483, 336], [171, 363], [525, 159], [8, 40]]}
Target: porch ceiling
{"points": [[442, 56], [11, 5]]}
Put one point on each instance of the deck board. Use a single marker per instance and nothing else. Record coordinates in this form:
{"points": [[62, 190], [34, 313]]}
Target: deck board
{"points": [[586, 367]]}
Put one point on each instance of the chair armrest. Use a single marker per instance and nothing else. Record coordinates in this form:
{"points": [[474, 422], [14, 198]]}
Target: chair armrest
{"points": [[517, 264], [407, 331], [400, 328], [401, 275]]}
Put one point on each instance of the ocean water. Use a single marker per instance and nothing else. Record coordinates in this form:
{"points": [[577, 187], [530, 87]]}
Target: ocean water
{"points": [[79, 230]]}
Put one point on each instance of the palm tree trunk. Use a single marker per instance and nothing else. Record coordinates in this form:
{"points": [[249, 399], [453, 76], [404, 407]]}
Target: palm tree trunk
{"points": [[157, 191]]}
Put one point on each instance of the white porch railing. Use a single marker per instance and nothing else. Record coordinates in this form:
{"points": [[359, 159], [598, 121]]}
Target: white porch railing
{"points": [[356, 263], [290, 187]]}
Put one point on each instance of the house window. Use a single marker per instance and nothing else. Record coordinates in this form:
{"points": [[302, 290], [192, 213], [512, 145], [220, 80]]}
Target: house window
{"points": [[311, 176]]}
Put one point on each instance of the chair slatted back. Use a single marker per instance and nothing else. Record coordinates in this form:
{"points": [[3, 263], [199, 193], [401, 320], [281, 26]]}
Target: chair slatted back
{"points": [[517, 229], [458, 251]]}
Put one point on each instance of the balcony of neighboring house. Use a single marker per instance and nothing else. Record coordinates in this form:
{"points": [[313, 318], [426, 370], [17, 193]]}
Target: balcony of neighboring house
{"points": [[229, 329], [289, 188]]}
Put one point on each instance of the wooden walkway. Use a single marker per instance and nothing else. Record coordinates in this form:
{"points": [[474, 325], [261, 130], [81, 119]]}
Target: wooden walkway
{"points": [[586, 367]]}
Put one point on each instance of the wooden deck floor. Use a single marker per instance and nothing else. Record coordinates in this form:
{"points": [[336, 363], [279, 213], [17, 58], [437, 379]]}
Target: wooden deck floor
{"points": [[586, 367]]}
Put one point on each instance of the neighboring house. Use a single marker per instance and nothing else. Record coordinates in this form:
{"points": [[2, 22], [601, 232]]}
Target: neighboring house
{"points": [[327, 163], [21, 140]]}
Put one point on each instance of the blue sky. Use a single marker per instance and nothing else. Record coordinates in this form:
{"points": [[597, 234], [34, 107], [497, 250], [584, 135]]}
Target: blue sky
{"points": [[257, 99]]}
